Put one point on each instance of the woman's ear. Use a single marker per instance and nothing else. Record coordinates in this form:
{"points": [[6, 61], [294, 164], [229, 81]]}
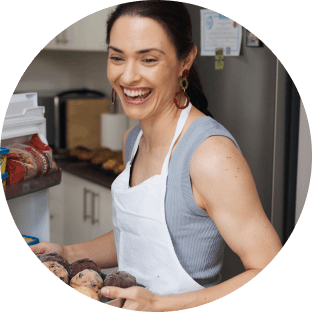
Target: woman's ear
{"points": [[188, 61]]}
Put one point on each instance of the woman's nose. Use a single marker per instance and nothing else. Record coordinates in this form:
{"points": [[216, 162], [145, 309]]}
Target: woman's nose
{"points": [[130, 74]]}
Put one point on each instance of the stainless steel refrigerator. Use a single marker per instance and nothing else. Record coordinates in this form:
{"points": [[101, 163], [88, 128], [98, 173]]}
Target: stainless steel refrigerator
{"points": [[256, 100]]}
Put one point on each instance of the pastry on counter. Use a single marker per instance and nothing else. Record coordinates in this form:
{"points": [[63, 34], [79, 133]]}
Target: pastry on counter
{"points": [[100, 155], [110, 164], [118, 156], [81, 152], [113, 162], [120, 279], [119, 169]]}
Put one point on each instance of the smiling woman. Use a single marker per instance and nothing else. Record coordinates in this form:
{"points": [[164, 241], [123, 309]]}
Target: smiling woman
{"points": [[150, 46], [168, 26], [145, 64], [186, 189]]}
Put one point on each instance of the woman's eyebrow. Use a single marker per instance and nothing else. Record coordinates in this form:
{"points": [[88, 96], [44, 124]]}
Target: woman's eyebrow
{"points": [[149, 50], [138, 52]]}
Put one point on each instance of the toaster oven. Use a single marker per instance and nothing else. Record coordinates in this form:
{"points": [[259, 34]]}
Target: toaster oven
{"points": [[55, 113]]}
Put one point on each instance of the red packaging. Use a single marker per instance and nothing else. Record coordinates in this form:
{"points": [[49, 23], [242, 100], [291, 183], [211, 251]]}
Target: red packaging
{"points": [[29, 160]]}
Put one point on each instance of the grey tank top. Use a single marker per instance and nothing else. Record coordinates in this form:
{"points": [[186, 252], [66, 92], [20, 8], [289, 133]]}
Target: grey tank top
{"points": [[196, 239]]}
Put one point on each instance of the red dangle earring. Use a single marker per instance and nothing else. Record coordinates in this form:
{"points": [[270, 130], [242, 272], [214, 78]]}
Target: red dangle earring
{"points": [[183, 85]]}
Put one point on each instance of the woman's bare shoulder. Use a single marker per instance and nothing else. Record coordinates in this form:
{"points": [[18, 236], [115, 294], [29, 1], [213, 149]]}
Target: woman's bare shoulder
{"points": [[217, 164]]}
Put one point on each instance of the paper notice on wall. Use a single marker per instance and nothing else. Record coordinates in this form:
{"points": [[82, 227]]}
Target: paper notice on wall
{"points": [[218, 31]]}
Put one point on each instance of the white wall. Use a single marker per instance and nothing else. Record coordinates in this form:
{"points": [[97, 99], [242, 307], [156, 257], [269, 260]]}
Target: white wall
{"points": [[62, 70]]}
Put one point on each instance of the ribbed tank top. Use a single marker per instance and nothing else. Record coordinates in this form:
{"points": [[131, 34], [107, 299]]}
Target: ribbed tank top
{"points": [[196, 239]]}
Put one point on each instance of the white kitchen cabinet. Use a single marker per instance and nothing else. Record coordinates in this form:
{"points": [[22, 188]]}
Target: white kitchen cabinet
{"points": [[80, 210], [88, 34]]}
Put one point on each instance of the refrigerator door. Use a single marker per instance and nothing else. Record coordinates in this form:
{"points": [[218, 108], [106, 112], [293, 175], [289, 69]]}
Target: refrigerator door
{"points": [[248, 98], [23, 119]]}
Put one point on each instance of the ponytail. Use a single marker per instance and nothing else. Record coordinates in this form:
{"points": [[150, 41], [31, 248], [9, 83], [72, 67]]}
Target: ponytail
{"points": [[196, 93]]}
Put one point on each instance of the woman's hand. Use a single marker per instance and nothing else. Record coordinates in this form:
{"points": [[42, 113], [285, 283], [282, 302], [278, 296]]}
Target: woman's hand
{"points": [[138, 298], [45, 247]]}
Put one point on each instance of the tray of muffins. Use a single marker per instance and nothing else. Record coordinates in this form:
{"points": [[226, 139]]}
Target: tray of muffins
{"points": [[100, 159], [85, 276]]}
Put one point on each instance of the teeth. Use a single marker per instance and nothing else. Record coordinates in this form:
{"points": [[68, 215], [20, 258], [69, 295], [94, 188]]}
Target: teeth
{"points": [[134, 93]]}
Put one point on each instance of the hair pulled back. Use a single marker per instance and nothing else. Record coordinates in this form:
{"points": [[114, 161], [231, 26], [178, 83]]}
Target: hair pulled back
{"points": [[175, 19]]}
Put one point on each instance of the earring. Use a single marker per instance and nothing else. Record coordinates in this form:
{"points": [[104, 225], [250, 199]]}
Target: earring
{"points": [[113, 106], [183, 85]]}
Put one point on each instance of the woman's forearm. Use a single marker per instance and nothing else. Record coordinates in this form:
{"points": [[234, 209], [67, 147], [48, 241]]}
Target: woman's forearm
{"points": [[102, 250], [200, 297]]}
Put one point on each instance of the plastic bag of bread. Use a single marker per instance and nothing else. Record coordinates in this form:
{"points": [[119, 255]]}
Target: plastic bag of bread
{"points": [[29, 160]]}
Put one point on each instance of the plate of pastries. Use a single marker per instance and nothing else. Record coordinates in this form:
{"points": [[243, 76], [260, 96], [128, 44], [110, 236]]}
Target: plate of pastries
{"points": [[85, 276], [101, 159]]}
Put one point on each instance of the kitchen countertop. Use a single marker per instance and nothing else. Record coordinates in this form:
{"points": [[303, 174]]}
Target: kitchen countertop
{"points": [[83, 170]]}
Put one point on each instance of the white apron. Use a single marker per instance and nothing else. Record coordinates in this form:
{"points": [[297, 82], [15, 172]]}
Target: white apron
{"points": [[143, 243]]}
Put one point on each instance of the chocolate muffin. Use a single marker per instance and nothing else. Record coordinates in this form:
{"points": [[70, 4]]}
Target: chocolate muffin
{"points": [[83, 264], [53, 256], [120, 279]]}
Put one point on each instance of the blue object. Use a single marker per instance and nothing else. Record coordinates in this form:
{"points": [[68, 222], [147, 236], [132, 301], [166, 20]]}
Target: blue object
{"points": [[4, 150], [33, 242], [5, 175]]}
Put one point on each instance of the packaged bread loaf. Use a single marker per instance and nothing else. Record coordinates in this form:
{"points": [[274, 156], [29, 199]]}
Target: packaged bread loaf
{"points": [[29, 160]]}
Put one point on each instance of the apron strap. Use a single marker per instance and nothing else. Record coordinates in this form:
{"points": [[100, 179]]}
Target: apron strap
{"points": [[181, 122], [136, 145]]}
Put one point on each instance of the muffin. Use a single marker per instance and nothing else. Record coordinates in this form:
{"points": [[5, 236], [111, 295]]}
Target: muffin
{"points": [[83, 264], [89, 279], [57, 264], [120, 279]]}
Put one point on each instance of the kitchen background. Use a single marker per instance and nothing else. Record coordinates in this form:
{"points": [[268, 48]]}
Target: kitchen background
{"points": [[252, 97]]}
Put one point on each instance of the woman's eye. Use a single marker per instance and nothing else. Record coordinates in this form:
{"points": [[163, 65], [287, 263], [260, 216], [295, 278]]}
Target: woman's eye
{"points": [[149, 60], [116, 58]]}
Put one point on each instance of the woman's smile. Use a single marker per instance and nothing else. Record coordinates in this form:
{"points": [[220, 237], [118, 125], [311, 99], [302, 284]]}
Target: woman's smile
{"points": [[136, 96]]}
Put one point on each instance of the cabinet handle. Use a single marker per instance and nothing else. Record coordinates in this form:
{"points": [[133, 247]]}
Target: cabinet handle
{"points": [[64, 35], [85, 193], [93, 208], [57, 39]]}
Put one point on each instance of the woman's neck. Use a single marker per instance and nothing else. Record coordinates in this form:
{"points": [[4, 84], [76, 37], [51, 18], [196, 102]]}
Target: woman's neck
{"points": [[158, 131]]}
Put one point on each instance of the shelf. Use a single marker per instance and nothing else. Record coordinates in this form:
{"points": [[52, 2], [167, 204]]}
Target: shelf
{"points": [[33, 185]]}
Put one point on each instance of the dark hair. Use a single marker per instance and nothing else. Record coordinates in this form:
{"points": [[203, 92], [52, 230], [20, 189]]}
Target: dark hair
{"points": [[176, 20]]}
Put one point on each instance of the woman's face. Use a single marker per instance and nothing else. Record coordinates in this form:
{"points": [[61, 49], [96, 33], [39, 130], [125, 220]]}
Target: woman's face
{"points": [[142, 66]]}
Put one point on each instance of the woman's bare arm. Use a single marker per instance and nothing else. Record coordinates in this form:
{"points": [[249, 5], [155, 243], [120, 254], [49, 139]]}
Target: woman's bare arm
{"points": [[102, 250]]}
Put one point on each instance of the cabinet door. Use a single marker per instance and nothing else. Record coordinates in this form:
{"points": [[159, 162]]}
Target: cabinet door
{"points": [[101, 210], [56, 208], [87, 34], [87, 210], [59, 42], [77, 225]]}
